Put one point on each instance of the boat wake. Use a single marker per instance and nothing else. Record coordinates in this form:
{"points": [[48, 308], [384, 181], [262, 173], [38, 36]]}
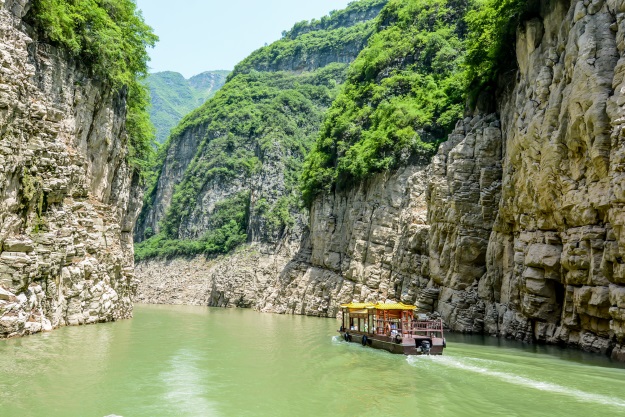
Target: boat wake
{"points": [[465, 365]]}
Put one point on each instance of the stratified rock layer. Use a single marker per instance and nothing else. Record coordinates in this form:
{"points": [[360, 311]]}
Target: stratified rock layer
{"points": [[68, 199], [515, 229]]}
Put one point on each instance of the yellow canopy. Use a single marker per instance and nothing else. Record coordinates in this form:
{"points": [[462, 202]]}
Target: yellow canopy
{"points": [[358, 306], [380, 306], [394, 306]]}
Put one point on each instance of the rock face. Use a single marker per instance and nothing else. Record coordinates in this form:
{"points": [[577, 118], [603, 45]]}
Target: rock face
{"points": [[514, 229], [369, 243], [68, 198], [554, 268]]}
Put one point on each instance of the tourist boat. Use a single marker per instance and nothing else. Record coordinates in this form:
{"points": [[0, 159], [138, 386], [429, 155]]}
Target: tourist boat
{"points": [[392, 327]]}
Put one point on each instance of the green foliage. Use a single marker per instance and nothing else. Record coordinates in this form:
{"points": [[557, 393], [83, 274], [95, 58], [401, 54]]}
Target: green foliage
{"points": [[279, 217], [263, 114], [307, 43], [356, 10], [110, 38], [139, 128], [173, 97], [490, 41], [403, 94], [160, 246], [227, 230]]}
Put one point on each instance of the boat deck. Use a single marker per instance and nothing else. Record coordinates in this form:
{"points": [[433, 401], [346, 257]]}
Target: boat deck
{"points": [[408, 345]]}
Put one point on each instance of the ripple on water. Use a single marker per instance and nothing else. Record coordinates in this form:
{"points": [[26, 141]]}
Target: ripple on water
{"points": [[183, 361], [468, 364]]}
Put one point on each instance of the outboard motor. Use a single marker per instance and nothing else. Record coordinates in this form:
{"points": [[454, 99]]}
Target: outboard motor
{"points": [[425, 347]]}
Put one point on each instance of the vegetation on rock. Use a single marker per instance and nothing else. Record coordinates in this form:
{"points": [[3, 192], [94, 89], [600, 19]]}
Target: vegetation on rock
{"points": [[305, 45], [409, 86], [492, 26], [111, 38], [262, 122], [355, 11], [403, 94], [228, 226]]}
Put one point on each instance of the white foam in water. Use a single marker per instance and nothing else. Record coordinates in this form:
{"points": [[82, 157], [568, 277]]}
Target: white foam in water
{"points": [[186, 386], [522, 381]]}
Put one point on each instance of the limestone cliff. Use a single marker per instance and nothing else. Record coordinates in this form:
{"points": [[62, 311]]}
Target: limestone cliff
{"points": [[515, 228], [68, 197]]}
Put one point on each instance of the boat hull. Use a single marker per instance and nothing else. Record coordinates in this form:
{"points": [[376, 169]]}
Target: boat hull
{"points": [[407, 346]]}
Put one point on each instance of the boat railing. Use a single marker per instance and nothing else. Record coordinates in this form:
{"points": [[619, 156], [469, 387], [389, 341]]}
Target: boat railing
{"points": [[426, 327], [405, 328]]}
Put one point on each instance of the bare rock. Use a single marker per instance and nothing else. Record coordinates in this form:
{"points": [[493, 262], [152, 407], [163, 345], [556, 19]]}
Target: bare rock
{"points": [[66, 188]]}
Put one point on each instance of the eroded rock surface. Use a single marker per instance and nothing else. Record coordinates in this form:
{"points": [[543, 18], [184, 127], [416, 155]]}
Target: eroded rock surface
{"points": [[68, 198]]}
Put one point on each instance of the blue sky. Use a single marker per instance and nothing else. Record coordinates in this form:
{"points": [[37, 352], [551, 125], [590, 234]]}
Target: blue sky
{"points": [[201, 35]]}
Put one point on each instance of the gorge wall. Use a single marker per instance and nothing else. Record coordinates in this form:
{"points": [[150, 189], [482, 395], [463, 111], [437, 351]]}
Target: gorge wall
{"points": [[68, 200], [514, 229]]}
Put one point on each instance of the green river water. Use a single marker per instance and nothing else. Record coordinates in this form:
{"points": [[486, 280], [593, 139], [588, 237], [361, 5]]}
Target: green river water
{"points": [[195, 361]]}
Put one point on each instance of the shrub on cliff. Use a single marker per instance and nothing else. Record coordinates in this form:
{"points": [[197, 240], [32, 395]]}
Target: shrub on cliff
{"points": [[227, 230], [492, 27], [111, 38], [403, 94], [409, 86]]}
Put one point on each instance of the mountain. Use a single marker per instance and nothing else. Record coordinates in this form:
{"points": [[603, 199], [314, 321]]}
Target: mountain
{"points": [[174, 96], [230, 170], [470, 163]]}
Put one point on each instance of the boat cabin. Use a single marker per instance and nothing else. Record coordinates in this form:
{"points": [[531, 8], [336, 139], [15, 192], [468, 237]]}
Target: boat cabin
{"points": [[397, 324]]}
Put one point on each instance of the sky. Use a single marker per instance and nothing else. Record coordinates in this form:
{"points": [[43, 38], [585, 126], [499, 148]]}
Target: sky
{"points": [[202, 35]]}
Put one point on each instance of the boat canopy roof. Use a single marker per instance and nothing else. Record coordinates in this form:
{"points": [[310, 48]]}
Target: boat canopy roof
{"points": [[379, 306], [394, 306], [358, 305]]}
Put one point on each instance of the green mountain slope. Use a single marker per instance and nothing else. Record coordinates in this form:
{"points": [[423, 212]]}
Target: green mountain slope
{"points": [[403, 95], [409, 86], [174, 96], [230, 171]]}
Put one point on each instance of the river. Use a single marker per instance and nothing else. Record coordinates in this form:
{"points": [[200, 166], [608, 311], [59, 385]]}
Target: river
{"points": [[195, 361]]}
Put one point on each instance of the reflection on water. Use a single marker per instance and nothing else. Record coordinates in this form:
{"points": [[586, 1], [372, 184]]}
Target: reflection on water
{"points": [[194, 361]]}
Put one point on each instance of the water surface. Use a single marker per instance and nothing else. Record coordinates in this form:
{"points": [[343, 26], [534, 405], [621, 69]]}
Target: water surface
{"points": [[194, 361]]}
